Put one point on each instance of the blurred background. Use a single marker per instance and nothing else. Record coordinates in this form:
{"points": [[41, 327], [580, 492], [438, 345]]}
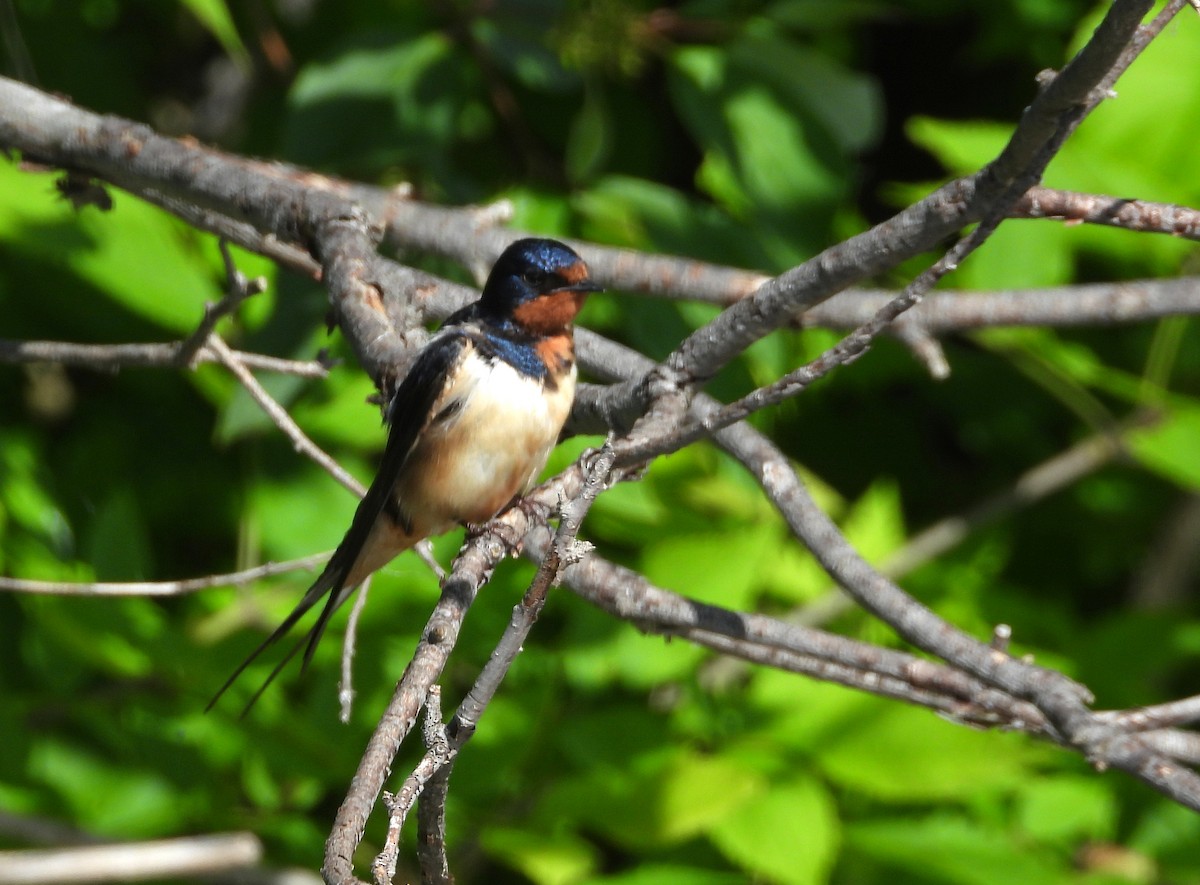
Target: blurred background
{"points": [[742, 132]]}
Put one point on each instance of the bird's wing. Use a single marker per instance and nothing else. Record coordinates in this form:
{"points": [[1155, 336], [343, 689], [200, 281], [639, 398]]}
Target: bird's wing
{"points": [[408, 415]]}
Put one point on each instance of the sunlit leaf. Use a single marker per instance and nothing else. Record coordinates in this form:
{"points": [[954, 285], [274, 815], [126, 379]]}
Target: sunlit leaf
{"points": [[1068, 808], [109, 798], [1170, 445], [142, 259], [719, 567], [214, 15], [941, 760], [788, 834], [544, 859], [955, 850]]}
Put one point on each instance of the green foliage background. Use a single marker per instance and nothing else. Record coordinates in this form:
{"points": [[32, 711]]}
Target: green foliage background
{"points": [[739, 131]]}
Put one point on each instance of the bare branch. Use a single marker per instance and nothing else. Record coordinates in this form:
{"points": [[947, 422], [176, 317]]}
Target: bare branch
{"points": [[130, 861], [1091, 304], [160, 588], [1142, 216], [470, 571], [1054, 113], [799, 649], [433, 732], [239, 233], [1058, 698], [431, 830], [1181, 712], [431, 814], [114, 357]]}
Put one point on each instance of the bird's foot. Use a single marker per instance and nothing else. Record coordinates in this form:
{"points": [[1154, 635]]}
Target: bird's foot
{"points": [[505, 533]]}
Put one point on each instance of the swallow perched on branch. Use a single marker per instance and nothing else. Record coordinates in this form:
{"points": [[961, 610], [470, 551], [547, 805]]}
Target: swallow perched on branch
{"points": [[471, 425]]}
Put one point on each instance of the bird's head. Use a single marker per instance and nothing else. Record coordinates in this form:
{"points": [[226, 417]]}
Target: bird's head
{"points": [[538, 285]]}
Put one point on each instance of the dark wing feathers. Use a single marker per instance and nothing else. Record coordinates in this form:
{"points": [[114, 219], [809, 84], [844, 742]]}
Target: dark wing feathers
{"points": [[409, 413]]}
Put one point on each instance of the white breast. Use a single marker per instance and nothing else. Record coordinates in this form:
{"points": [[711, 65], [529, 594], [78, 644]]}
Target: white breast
{"points": [[467, 467]]}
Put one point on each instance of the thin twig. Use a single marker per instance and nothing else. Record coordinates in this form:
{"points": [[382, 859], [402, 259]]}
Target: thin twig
{"points": [[130, 861], [159, 588], [948, 311], [433, 733], [237, 289], [114, 357], [564, 551], [1182, 712], [1141, 216], [346, 682], [282, 419], [470, 571]]}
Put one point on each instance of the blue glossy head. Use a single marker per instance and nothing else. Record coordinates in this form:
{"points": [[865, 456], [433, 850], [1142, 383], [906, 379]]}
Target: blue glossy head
{"points": [[538, 283]]}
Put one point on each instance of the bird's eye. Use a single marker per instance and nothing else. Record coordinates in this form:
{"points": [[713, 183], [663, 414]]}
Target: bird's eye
{"points": [[534, 277]]}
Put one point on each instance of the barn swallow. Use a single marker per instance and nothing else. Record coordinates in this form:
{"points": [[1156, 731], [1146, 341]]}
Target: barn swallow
{"points": [[470, 426]]}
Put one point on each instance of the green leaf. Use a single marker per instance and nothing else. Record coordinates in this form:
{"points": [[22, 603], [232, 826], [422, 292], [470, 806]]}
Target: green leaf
{"points": [[719, 567], [1020, 254], [260, 783], [106, 797], [954, 850], [875, 523], [137, 255], [770, 156], [540, 210], [635, 659], [634, 212], [1067, 809], [23, 497], [610, 736], [337, 414], [756, 135], [241, 417], [214, 15], [807, 715], [664, 800], [625, 513], [793, 574], [590, 139], [110, 637], [118, 540], [305, 515], [940, 760], [414, 89], [518, 47], [546, 859], [1107, 155], [660, 874], [696, 792], [386, 70], [1167, 830], [788, 834], [1171, 446], [962, 146], [846, 104]]}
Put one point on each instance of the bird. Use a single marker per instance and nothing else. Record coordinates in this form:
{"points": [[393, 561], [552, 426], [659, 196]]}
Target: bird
{"points": [[470, 426]]}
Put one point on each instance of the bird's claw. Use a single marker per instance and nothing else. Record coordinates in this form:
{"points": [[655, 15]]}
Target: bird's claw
{"points": [[502, 531]]}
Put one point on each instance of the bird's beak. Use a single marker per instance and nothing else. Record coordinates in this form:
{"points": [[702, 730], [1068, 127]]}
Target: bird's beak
{"points": [[582, 286]]}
